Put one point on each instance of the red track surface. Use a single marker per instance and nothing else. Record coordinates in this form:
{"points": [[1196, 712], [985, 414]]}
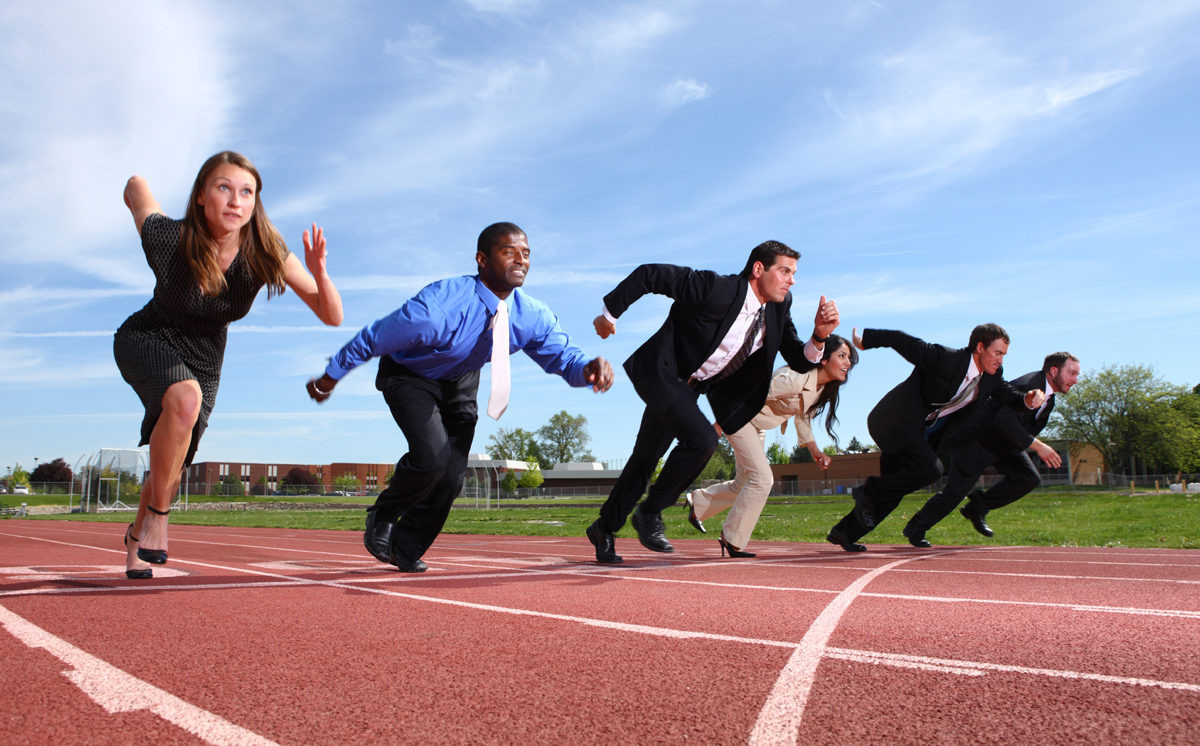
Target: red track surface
{"points": [[261, 635]]}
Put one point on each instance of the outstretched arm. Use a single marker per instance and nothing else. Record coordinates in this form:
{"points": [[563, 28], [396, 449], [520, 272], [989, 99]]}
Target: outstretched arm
{"points": [[315, 289], [140, 201]]}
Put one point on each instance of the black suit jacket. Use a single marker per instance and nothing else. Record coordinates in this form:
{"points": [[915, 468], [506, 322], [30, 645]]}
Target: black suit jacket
{"points": [[898, 420], [705, 307], [1013, 427]]}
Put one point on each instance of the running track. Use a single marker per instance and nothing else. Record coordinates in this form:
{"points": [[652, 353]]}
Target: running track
{"points": [[285, 636]]}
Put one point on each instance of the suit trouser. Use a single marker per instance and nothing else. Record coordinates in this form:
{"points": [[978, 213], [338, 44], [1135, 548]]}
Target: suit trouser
{"points": [[966, 465], [681, 420], [747, 492], [900, 472], [438, 421]]}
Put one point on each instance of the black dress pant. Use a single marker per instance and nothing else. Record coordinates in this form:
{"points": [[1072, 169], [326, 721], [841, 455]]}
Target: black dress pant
{"points": [[900, 472], [967, 464], [438, 420], [682, 420]]}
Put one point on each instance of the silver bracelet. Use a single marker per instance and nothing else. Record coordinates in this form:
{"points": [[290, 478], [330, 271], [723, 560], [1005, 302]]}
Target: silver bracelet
{"points": [[317, 388]]}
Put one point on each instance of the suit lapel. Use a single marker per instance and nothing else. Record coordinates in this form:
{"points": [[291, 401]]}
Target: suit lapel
{"points": [[739, 299]]}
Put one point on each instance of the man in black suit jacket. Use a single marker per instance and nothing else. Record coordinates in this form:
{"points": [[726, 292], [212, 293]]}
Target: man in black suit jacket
{"points": [[1005, 433], [910, 421], [719, 339]]}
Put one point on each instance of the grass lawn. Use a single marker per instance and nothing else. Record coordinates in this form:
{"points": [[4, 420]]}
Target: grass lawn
{"points": [[1050, 517]]}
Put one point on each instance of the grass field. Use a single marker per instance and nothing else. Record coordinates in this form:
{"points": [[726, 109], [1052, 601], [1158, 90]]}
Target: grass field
{"points": [[1051, 517]]}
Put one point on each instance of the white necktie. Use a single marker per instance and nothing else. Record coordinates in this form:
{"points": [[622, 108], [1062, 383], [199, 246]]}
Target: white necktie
{"points": [[498, 401]]}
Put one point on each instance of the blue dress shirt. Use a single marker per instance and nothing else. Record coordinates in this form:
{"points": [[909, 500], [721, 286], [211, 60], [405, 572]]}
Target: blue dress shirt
{"points": [[442, 333]]}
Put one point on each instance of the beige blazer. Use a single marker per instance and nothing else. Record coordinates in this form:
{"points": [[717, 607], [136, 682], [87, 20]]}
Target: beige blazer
{"points": [[791, 394]]}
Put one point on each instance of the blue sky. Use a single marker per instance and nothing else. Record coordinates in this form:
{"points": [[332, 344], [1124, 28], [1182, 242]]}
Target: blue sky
{"points": [[937, 164]]}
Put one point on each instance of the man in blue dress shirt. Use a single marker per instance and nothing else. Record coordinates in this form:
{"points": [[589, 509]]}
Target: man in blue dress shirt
{"points": [[430, 352]]}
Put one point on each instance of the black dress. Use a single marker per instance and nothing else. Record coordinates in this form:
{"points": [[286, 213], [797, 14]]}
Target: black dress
{"points": [[180, 334]]}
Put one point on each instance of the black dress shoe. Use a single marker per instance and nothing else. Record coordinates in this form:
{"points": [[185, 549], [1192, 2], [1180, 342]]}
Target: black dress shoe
{"points": [[916, 538], [976, 520], [650, 531], [839, 537], [378, 536], [404, 565], [605, 543], [862, 508], [692, 519]]}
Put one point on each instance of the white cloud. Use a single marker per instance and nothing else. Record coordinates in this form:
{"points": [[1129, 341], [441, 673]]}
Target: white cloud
{"points": [[147, 92], [682, 92]]}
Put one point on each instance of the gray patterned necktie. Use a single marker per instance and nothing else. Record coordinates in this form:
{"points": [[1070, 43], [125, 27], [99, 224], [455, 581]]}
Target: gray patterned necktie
{"points": [[959, 397]]}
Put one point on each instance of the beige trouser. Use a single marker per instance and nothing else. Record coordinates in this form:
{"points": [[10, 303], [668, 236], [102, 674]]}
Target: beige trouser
{"points": [[747, 492]]}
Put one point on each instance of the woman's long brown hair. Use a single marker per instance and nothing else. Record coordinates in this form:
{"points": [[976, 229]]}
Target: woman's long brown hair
{"points": [[261, 246]]}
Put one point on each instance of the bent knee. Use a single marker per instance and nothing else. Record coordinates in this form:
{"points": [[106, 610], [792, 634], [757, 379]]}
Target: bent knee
{"points": [[931, 473], [182, 402]]}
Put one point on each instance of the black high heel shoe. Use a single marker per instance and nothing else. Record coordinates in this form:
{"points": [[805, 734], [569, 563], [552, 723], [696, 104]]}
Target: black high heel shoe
{"points": [[734, 552], [139, 574], [691, 516], [153, 556]]}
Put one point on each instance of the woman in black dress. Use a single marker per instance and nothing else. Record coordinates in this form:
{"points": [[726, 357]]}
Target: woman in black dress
{"points": [[208, 268]]}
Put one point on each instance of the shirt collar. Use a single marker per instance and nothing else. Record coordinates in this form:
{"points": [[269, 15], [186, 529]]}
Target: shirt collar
{"points": [[490, 300], [972, 368], [1050, 390], [752, 303]]}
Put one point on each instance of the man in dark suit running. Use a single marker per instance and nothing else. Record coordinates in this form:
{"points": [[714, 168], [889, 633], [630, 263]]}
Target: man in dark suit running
{"points": [[1005, 434], [910, 421], [719, 339]]}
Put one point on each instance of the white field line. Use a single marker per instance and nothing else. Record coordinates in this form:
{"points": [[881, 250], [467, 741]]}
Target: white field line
{"points": [[780, 717], [117, 691]]}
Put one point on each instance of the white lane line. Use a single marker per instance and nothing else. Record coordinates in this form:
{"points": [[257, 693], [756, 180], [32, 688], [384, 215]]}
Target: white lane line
{"points": [[779, 719], [626, 573], [117, 691], [802, 663], [978, 668]]}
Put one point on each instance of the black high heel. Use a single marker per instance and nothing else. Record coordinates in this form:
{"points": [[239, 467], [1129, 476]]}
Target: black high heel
{"points": [[691, 516], [734, 552], [139, 574], [153, 556]]}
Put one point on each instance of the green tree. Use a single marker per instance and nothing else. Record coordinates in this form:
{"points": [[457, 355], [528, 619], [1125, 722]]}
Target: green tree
{"points": [[18, 476], [531, 479], [800, 455], [777, 454], [346, 482], [1129, 414], [564, 439], [510, 482], [231, 486], [854, 446], [259, 487], [517, 444], [717, 468]]}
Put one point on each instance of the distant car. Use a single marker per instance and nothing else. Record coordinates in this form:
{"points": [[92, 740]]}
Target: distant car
{"points": [[20, 489]]}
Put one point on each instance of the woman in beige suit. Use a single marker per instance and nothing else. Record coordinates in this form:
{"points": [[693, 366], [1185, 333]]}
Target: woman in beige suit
{"points": [[792, 394]]}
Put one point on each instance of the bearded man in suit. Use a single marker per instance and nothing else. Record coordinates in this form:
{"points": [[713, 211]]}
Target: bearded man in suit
{"points": [[719, 339], [910, 421], [1004, 435]]}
